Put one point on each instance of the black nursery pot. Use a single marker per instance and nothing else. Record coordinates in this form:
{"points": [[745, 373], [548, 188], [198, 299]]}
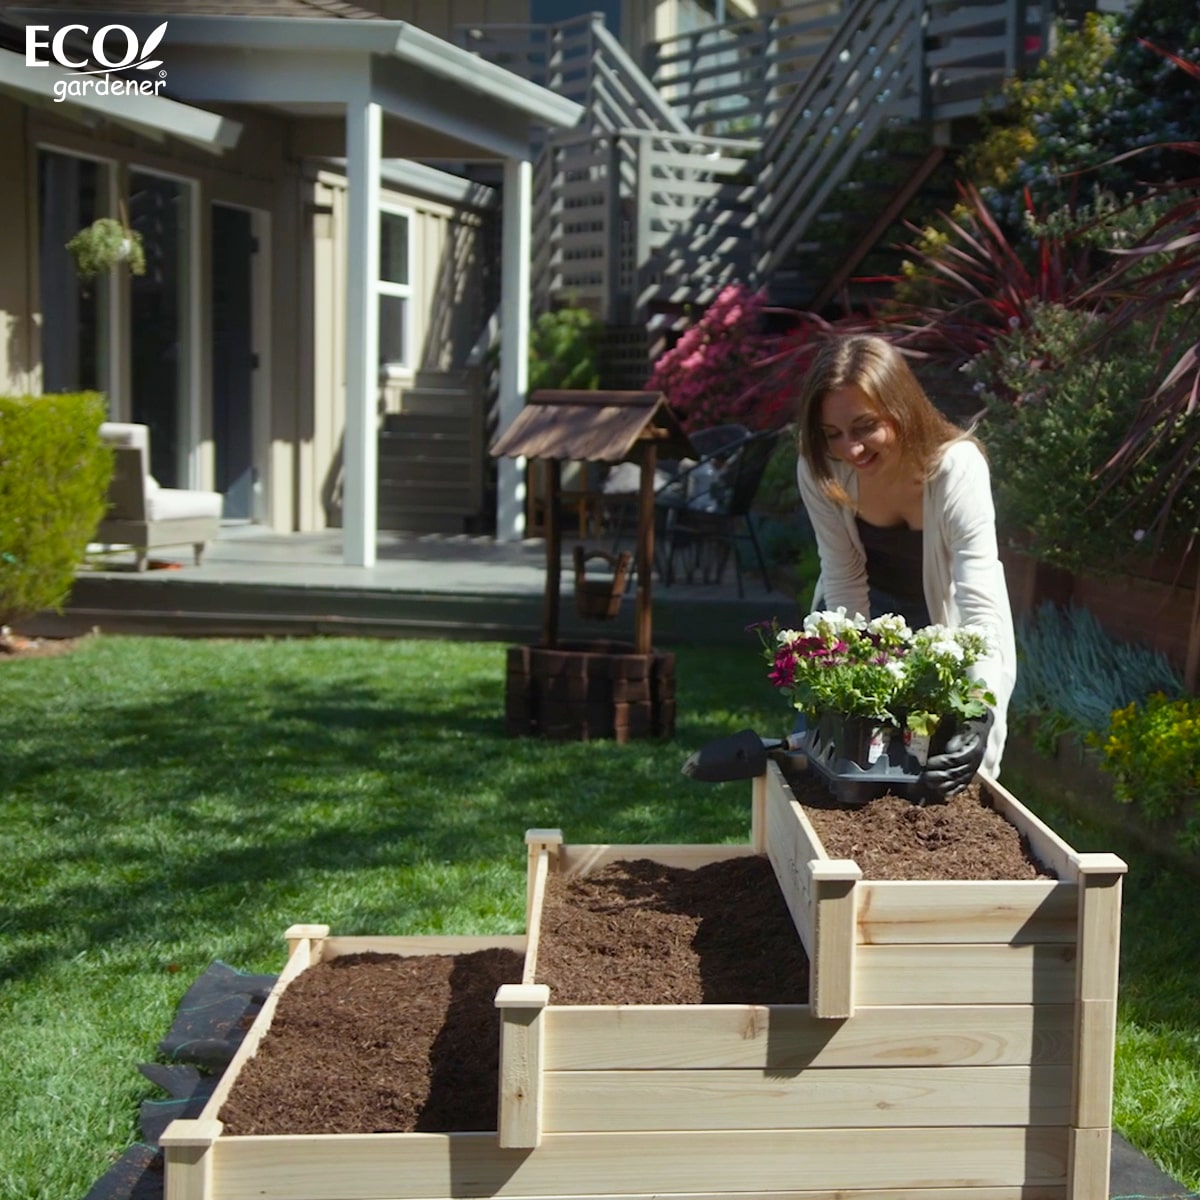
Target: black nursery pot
{"points": [[861, 758]]}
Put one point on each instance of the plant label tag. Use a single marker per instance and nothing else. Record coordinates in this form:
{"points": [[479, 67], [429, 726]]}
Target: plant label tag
{"points": [[877, 746], [917, 744]]}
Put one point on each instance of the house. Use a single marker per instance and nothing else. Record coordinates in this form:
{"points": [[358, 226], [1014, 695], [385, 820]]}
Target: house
{"points": [[303, 268], [346, 204]]}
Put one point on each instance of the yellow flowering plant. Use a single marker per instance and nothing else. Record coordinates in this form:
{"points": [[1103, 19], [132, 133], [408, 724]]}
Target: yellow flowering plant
{"points": [[1152, 751]]}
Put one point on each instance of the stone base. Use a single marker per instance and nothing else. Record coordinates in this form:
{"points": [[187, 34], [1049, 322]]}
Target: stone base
{"points": [[580, 691]]}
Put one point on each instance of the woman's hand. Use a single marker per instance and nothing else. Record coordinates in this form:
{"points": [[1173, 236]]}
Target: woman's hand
{"points": [[948, 773]]}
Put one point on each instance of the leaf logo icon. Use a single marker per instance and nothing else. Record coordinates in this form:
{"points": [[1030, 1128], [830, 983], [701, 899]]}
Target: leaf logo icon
{"points": [[151, 43], [146, 66]]}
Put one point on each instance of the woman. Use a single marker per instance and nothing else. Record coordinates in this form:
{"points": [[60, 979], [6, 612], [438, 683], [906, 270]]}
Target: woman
{"points": [[901, 503]]}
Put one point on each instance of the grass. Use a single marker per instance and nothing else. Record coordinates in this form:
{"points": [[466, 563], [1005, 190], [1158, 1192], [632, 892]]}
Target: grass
{"points": [[168, 803]]}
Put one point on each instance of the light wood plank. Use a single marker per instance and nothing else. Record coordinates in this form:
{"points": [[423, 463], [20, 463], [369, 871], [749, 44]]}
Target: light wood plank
{"points": [[400, 1166], [299, 961], [1095, 1044], [1032, 1192], [187, 1150], [422, 944], [538, 874], [522, 1031], [1099, 925], [583, 859], [965, 974], [789, 850], [789, 1037], [1050, 849], [1089, 1164], [832, 966], [846, 1097], [758, 814], [923, 911], [314, 934]]}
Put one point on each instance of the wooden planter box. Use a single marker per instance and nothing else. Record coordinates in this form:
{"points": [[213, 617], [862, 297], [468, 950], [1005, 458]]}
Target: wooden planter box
{"points": [[958, 1042]]}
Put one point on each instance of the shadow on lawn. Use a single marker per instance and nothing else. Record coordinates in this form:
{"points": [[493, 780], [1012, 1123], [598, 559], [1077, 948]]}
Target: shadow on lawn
{"points": [[179, 808]]}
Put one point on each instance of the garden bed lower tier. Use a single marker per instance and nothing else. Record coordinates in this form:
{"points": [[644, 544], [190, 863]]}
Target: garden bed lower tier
{"points": [[957, 1043]]}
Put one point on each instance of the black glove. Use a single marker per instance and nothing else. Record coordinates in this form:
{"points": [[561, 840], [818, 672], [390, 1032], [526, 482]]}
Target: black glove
{"points": [[951, 771]]}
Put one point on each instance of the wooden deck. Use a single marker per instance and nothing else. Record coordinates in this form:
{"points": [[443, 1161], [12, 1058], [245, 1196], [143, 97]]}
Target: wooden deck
{"points": [[258, 583]]}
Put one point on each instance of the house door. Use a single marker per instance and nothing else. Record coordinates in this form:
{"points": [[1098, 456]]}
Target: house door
{"points": [[160, 210], [233, 358]]}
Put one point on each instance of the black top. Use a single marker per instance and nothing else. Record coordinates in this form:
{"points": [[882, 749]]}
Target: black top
{"points": [[894, 558]]}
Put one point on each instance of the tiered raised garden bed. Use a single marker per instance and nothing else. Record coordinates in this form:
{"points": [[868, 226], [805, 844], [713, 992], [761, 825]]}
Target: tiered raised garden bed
{"points": [[957, 1043]]}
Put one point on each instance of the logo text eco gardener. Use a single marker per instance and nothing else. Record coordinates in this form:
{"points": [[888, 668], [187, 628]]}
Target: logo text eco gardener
{"points": [[113, 48]]}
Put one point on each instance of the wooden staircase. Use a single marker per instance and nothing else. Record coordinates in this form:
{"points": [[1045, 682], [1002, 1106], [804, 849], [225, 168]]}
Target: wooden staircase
{"points": [[898, 83], [431, 456], [781, 150]]}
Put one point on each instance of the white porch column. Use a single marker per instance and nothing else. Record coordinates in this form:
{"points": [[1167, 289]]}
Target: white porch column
{"points": [[514, 339], [360, 448]]}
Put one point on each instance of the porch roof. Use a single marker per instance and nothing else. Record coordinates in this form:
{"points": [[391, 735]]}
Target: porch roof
{"points": [[439, 100], [592, 427], [151, 116]]}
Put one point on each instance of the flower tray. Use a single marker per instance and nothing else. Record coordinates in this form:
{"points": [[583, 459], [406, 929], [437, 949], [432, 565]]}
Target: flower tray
{"points": [[859, 758], [957, 1044]]}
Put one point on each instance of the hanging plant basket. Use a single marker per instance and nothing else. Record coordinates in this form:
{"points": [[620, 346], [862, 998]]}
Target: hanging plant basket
{"points": [[105, 244]]}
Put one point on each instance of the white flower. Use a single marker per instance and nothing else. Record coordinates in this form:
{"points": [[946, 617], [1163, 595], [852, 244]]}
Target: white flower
{"points": [[947, 647], [831, 623], [889, 623], [896, 667]]}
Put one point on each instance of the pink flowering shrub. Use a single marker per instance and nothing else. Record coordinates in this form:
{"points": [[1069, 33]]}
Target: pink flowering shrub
{"points": [[717, 372]]}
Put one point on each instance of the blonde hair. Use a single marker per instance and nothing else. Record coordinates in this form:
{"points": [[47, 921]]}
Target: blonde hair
{"points": [[881, 371]]}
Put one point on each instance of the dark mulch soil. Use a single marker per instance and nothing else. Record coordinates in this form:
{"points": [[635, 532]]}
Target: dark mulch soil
{"points": [[892, 838], [641, 933], [377, 1043], [373, 1043]]}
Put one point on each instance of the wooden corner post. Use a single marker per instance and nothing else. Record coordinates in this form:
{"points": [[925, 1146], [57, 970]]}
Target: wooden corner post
{"points": [[542, 844], [522, 1036], [758, 813], [188, 1149], [835, 931], [1097, 961], [314, 935]]}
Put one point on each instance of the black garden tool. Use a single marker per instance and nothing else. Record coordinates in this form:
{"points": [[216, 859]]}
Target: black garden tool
{"points": [[740, 756]]}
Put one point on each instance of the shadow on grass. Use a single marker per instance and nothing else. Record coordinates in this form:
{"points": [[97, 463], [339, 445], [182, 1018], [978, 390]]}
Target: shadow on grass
{"points": [[139, 815]]}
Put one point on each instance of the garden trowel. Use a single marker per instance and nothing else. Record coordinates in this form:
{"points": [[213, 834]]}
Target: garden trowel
{"points": [[740, 756]]}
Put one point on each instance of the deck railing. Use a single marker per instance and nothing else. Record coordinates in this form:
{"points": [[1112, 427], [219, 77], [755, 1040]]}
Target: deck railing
{"points": [[731, 79], [631, 201], [891, 62], [644, 206]]}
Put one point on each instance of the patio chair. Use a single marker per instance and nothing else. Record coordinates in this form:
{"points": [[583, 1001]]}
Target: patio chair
{"points": [[144, 515], [712, 516], [673, 482]]}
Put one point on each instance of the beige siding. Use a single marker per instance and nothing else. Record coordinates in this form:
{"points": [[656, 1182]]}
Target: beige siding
{"points": [[255, 176], [16, 250], [447, 315]]}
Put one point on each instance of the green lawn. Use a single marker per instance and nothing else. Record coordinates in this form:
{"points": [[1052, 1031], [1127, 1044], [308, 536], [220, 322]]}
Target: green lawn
{"points": [[166, 803]]}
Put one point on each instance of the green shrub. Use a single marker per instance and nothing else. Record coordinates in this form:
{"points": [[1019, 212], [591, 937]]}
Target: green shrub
{"points": [[1152, 750], [54, 473], [1057, 409], [564, 350]]}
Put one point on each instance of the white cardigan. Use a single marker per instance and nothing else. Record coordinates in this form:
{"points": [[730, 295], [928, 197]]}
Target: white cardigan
{"points": [[962, 575]]}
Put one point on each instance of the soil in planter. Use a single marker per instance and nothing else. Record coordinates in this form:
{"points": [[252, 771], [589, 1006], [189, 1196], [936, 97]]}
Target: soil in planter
{"points": [[375, 1043], [892, 838], [643, 933]]}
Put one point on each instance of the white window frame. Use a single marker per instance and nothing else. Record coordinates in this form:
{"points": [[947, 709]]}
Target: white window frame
{"points": [[403, 291]]}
